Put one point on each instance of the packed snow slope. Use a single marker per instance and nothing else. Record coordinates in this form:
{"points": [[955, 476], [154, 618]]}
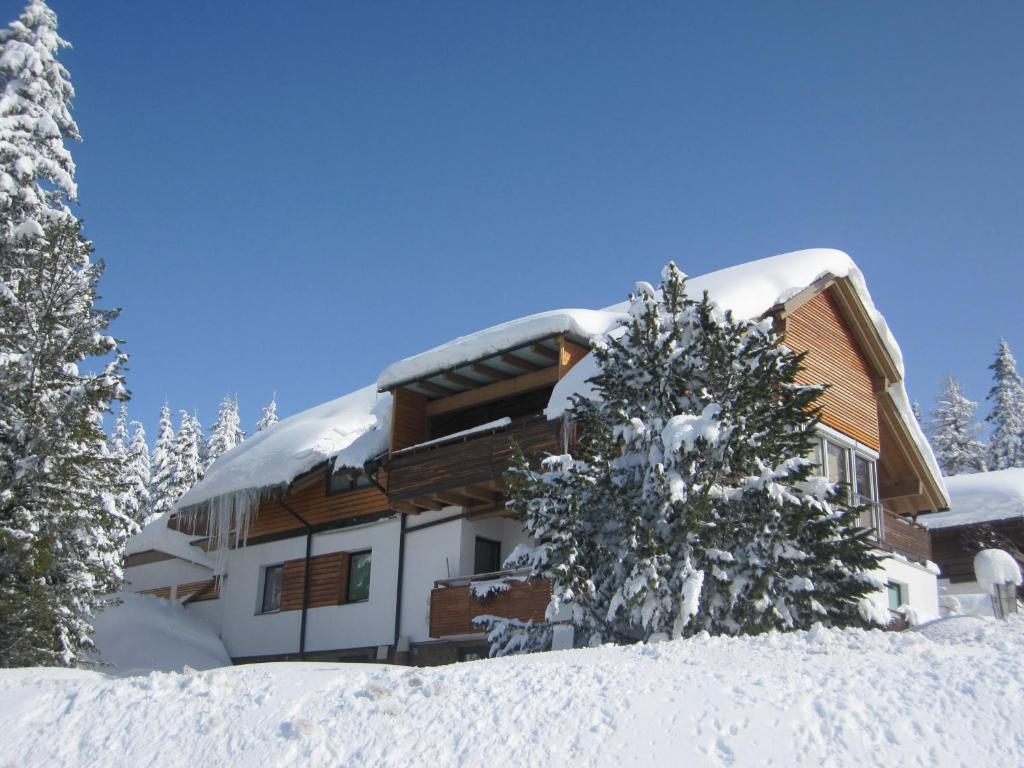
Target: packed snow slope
{"points": [[948, 694]]}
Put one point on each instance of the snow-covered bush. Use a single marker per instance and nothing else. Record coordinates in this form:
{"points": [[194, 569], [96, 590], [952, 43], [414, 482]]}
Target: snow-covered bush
{"points": [[687, 503]]}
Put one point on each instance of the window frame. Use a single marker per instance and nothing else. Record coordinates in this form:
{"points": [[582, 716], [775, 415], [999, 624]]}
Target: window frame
{"points": [[357, 481], [261, 596], [348, 583], [901, 591], [486, 540]]}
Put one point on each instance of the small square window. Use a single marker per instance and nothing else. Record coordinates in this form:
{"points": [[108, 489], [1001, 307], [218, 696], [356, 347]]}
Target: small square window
{"points": [[346, 480], [273, 580], [486, 556], [897, 595], [358, 577]]}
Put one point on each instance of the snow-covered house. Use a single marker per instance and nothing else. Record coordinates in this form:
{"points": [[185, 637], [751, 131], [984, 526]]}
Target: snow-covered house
{"points": [[375, 526], [986, 511]]}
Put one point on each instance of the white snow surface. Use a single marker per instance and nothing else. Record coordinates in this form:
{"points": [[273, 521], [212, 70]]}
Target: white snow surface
{"points": [[144, 633], [504, 421], [475, 346], [157, 536], [980, 498], [947, 694], [749, 290], [995, 566], [352, 428]]}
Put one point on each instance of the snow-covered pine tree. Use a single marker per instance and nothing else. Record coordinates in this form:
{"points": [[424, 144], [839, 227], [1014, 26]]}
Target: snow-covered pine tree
{"points": [[687, 504], [188, 458], [269, 416], [138, 474], [61, 535], [226, 432], [163, 466], [954, 432], [36, 169], [1006, 443]]}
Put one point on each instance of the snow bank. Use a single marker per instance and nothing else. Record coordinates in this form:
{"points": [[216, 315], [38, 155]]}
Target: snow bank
{"points": [[145, 634], [995, 566], [355, 426], [944, 695], [980, 498], [752, 289], [157, 536], [476, 346]]}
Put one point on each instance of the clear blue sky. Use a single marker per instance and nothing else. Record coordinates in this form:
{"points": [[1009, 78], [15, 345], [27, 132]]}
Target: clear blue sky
{"points": [[290, 196]]}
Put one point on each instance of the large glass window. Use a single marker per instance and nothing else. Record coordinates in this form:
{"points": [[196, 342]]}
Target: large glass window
{"points": [[864, 474], [837, 468], [358, 577], [273, 579], [486, 556]]}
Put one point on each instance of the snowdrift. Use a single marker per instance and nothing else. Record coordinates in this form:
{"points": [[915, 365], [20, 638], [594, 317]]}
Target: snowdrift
{"points": [[947, 694]]}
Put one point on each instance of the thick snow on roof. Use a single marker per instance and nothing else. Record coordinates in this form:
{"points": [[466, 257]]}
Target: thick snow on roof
{"points": [[750, 290], [476, 346], [981, 498], [157, 536], [353, 427]]}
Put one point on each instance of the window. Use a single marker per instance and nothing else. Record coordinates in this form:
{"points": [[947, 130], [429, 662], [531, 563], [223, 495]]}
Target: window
{"points": [[897, 595], [837, 468], [346, 480], [864, 476], [358, 577], [486, 556], [273, 579]]}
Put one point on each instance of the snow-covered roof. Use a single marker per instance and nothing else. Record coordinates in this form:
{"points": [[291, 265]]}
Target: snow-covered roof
{"points": [[750, 290], [981, 498], [157, 536], [582, 323], [350, 429]]}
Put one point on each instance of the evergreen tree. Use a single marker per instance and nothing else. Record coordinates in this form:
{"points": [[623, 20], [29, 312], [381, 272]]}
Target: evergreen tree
{"points": [[61, 534], [1006, 444], [954, 432], [36, 169], [269, 417], [225, 433], [163, 466], [687, 504], [188, 456], [138, 475]]}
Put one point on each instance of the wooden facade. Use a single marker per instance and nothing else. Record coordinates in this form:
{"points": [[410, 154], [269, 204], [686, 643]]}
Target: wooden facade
{"points": [[328, 581], [453, 608]]}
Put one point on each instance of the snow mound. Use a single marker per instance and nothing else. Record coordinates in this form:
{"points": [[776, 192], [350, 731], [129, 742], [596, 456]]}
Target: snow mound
{"points": [[355, 426], [824, 697], [144, 634], [157, 536], [981, 498], [490, 341], [953, 629], [995, 566]]}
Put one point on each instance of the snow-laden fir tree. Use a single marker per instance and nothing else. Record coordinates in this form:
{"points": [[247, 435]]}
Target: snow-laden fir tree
{"points": [[225, 433], [954, 432], [686, 504], [1006, 443], [138, 475], [163, 466], [269, 415], [61, 533], [188, 454], [36, 169]]}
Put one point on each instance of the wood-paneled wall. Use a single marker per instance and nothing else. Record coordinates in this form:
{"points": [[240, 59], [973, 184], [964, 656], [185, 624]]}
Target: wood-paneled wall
{"points": [[328, 581], [408, 419], [849, 405], [452, 609]]}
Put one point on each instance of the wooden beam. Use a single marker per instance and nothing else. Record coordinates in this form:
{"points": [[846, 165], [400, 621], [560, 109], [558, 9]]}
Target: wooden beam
{"points": [[454, 498], [494, 373], [405, 506], [464, 381], [518, 362], [568, 355], [911, 487], [427, 503], [496, 391], [434, 389], [480, 493], [546, 352]]}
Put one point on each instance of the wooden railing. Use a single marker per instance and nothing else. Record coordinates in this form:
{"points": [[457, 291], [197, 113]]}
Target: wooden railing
{"points": [[454, 603], [902, 535], [476, 458]]}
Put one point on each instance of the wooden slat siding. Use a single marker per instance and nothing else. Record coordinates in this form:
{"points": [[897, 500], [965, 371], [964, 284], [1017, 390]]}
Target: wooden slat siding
{"points": [[315, 506], [903, 537], [158, 591], [849, 405], [208, 588], [475, 459], [328, 581], [452, 609], [408, 419]]}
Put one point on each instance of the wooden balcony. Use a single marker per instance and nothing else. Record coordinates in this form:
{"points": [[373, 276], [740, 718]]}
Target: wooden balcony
{"points": [[904, 536], [455, 602], [464, 470]]}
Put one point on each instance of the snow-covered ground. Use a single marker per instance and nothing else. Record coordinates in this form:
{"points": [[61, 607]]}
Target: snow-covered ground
{"points": [[947, 694]]}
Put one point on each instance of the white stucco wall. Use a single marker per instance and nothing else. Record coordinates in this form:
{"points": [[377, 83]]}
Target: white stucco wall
{"points": [[921, 587], [429, 554]]}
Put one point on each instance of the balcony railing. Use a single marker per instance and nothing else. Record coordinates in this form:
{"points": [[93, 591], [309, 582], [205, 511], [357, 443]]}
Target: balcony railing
{"points": [[454, 603], [896, 533]]}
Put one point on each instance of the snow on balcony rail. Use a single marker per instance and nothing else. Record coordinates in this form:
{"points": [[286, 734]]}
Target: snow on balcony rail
{"points": [[491, 426], [454, 582]]}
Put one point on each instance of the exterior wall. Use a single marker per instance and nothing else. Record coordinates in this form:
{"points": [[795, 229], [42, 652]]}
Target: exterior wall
{"points": [[313, 503], [509, 532], [166, 573], [354, 625], [921, 584], [429, 554]]}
